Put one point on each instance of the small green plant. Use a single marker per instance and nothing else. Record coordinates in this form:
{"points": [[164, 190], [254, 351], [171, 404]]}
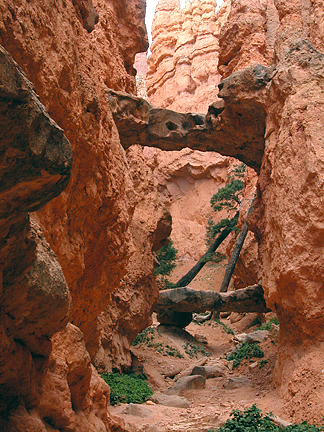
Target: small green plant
{"points": [[145, 336], [267, 325], [193, 350], [127, 388], [245, 351], [252, 420], [166, 257], [263, 362], [225, 327]]}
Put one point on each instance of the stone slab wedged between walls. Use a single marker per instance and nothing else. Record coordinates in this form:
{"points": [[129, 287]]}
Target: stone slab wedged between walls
{"points": [[234, 128]]}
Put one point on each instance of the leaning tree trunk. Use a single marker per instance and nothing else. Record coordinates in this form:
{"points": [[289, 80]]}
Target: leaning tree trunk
{"points": [[187, 278], [235, 254], [188, 300]]}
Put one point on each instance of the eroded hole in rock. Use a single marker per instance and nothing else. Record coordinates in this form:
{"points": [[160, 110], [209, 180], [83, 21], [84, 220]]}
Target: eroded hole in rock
{"points": [[171, 126]]}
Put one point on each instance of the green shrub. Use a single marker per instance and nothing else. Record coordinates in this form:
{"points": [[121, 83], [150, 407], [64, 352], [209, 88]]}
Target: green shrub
{"points": [[226, 329], [263, 363], [245, 351], [127, 388], [145, 336], [267, 325], [229, 198], [252, 420], [193, 350], [166, 256]]}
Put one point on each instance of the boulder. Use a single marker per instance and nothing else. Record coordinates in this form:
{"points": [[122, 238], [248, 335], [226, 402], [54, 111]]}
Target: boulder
{"points": [[199, 370], [238, 382], [137, 410], [174, 318], [170, 400], [192, 382]]}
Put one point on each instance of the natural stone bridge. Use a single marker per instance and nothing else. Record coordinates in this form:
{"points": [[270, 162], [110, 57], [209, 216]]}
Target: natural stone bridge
{"points": [[233, 127]]}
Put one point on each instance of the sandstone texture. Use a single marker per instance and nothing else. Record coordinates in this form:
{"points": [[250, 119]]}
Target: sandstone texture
{"points": [[182, 75], [286, 218], [186, 181], [182, 70], [36, 161], [132, 303], [46, 378], [47, 381], [271, 61], [87, 225]]}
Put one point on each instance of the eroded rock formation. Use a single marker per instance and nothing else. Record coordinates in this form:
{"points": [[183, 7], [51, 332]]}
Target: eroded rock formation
{"points": [[70, 69], [186, 182], [71, 59], [182, 70], [278, 47], [46, 380], [132, 302]]}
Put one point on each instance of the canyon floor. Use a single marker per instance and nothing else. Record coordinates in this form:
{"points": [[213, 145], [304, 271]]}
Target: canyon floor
{"points": [[212, 405]]}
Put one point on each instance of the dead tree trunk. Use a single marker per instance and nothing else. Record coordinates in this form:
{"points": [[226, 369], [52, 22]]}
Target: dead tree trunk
{"points": [[250, 299], [192, 273], [235, 254]]}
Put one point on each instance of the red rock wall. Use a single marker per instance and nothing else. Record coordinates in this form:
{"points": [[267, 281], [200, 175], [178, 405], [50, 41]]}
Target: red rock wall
{"points": [[71, 59], [182, 70], [132, 303], [182, 75], [287, 216], [87, 226]]}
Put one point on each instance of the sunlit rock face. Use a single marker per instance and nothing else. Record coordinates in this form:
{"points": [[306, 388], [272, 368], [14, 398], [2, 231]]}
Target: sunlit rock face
{"points": [[182, 70]]}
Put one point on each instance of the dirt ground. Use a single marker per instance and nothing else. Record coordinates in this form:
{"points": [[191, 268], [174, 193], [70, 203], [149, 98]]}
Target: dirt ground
{"points": [[212, 405]]}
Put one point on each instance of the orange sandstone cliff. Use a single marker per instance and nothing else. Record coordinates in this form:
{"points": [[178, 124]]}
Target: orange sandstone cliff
{"points": [[182, 75], [288, 37], [71, 51], [271, 59]]}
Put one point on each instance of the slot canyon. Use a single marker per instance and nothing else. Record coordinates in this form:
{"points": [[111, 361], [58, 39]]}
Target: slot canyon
{"points": [[107, 153]]}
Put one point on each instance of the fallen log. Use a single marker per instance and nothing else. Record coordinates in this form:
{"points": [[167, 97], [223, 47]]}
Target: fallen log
{"points": [[250, 299], [192, 273]]}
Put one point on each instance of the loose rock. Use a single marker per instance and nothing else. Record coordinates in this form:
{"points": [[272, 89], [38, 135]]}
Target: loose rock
{"points": [[187, 383], [170, 401], [137, 411], [238, 382]]}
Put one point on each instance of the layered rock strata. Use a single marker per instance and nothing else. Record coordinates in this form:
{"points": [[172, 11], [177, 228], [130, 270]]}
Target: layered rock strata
{"points": [[182, 70]]}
